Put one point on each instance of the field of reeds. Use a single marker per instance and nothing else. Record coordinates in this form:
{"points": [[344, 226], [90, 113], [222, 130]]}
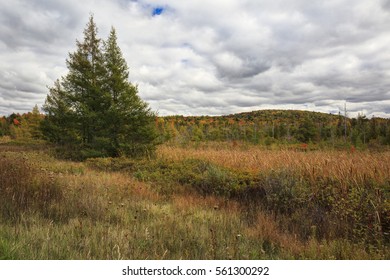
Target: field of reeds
{"points": [[215, 201]]}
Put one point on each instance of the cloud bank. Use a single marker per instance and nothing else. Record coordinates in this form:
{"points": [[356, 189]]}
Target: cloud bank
{"points": [[210, 57]]}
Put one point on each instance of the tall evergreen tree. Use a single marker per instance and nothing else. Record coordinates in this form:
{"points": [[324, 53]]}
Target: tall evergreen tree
{"points": [[130, 121], [94, 107], [85, 83]]}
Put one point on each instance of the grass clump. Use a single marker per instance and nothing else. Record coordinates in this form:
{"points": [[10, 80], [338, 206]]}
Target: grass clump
{"points": [[23, 190]]}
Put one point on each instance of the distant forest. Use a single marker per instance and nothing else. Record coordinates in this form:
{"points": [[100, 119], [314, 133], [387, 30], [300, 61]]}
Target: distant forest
{"points": [[265, 127], [278, 126]]}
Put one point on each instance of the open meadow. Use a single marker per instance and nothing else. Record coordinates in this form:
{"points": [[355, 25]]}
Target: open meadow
{"points": [[212, 201], [210, 130]]}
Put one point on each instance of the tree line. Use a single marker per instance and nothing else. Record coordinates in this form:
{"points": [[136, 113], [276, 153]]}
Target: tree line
{"points": [[23, 126], [278, 126], [264, 127]]}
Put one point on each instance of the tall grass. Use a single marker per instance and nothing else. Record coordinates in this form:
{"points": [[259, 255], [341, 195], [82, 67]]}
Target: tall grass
{"points": [[337, 194], [341, 165], [22, 190], [186, 204]]}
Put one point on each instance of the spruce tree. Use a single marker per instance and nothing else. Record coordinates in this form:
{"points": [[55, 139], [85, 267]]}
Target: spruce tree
{"points": [[85, 83], [94, 107], [130, 122], [59, 124]]}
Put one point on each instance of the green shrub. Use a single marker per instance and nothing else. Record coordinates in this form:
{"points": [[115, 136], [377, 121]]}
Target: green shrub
{"points": [[206, 178], [111, 164]]}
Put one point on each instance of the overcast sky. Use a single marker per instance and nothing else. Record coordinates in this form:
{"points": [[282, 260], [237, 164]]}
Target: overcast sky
{"points": [[210, 57]]}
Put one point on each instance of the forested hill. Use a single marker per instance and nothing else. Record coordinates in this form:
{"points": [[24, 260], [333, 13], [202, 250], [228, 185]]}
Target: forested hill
{"points": [[284, 116], [258, 127], [261, 116], [267, 126]]}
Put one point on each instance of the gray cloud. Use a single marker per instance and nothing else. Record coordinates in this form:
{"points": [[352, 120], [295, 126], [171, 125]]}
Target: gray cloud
{"points": [[210, 57]]}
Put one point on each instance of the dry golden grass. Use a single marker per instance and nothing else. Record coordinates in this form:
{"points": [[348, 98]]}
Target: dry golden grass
{"points": [[5, 139], [340, 165], [266, 228], [111, 215]]}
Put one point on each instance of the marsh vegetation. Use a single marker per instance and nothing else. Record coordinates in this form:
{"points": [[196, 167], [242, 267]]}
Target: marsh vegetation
{"points": [[213, 201]]}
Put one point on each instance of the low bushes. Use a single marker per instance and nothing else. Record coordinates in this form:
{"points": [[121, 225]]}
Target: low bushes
{"points": [[327, 208], [321, 207]]}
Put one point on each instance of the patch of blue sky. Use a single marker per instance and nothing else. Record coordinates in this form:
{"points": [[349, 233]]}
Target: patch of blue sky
{"points": [[158, 11]]}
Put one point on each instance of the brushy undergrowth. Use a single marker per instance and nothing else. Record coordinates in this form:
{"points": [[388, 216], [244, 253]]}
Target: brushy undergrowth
{"points": [[186, 208], [304, 206]]}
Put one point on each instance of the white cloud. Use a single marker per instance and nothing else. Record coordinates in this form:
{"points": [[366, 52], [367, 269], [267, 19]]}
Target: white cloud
{"points": [[210, 57]]}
